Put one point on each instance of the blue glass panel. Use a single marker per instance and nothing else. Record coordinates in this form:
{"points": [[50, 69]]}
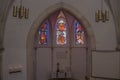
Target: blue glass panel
{"points": [[43, 33]]}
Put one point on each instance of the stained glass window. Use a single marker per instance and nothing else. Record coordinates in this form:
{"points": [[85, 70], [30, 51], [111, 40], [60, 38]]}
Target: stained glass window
{"points": [[79, 33], [43, 33], [61, 32]]}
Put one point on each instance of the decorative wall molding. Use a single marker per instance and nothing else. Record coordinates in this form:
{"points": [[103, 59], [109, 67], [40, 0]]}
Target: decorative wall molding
{"points": [[105, 78], [107, 51]]}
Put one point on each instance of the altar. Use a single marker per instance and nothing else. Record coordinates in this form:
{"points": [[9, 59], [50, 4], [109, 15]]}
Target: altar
{"points": [[60, 75], [60, 79]]}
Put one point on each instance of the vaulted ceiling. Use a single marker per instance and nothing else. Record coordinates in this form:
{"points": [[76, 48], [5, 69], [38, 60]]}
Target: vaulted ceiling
{"points": [[114, 6]]}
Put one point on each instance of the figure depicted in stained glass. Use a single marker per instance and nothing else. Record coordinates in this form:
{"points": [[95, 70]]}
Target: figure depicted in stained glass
{"points": [[61, 32], [61, 29], [42, 38], [79, 33], [61, 37], [79, 38], [43, 33], [61, 25]]}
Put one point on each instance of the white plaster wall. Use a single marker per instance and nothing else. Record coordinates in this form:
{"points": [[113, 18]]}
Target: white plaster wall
{"points": [[43, 66], [106, 64], [16, 31]]}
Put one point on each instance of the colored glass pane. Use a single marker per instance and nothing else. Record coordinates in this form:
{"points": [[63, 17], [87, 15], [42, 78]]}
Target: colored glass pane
{"points": [[61, 37], [61, 25], [61, 32], [79, 33], [43, 33]]}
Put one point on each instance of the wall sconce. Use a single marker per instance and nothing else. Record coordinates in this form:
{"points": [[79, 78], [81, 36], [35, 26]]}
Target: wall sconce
{"points": [[101, 15], [20, 12]]}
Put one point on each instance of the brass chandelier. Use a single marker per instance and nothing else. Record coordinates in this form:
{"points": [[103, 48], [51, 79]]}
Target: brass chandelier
{"points": [[102, 15], [20, 11]]}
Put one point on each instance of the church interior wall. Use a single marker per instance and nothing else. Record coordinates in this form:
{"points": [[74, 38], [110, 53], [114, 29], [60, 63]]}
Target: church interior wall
{"points": [[105, 58]]}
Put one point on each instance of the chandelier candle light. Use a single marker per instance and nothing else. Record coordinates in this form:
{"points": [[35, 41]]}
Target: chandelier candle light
{"points": [[21, 11], [101, 15]]}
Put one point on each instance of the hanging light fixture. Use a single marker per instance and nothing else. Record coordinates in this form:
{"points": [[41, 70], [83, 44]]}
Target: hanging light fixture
{"points": [[20, 11], [101, 15]]}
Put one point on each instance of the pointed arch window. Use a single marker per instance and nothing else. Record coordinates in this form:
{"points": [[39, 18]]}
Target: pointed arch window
{"points": [[61, 29], [43, 33], [57, 34], [78, 33]]}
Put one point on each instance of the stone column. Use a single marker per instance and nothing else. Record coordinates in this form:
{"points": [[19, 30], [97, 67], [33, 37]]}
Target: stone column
{"points": [[4, 9]]}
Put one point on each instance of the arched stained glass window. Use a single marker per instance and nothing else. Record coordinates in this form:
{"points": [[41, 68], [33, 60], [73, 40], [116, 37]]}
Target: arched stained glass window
{"points": [[65, 30], [61, 30], [78, 33], [43, 33]]}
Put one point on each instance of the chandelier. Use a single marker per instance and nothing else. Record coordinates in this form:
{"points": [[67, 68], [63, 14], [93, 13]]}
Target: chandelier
{"points": [[21, 11], [102, 15]]}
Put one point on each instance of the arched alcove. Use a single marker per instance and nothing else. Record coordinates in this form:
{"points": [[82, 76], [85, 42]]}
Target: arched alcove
{"points": [[34, 28]]}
